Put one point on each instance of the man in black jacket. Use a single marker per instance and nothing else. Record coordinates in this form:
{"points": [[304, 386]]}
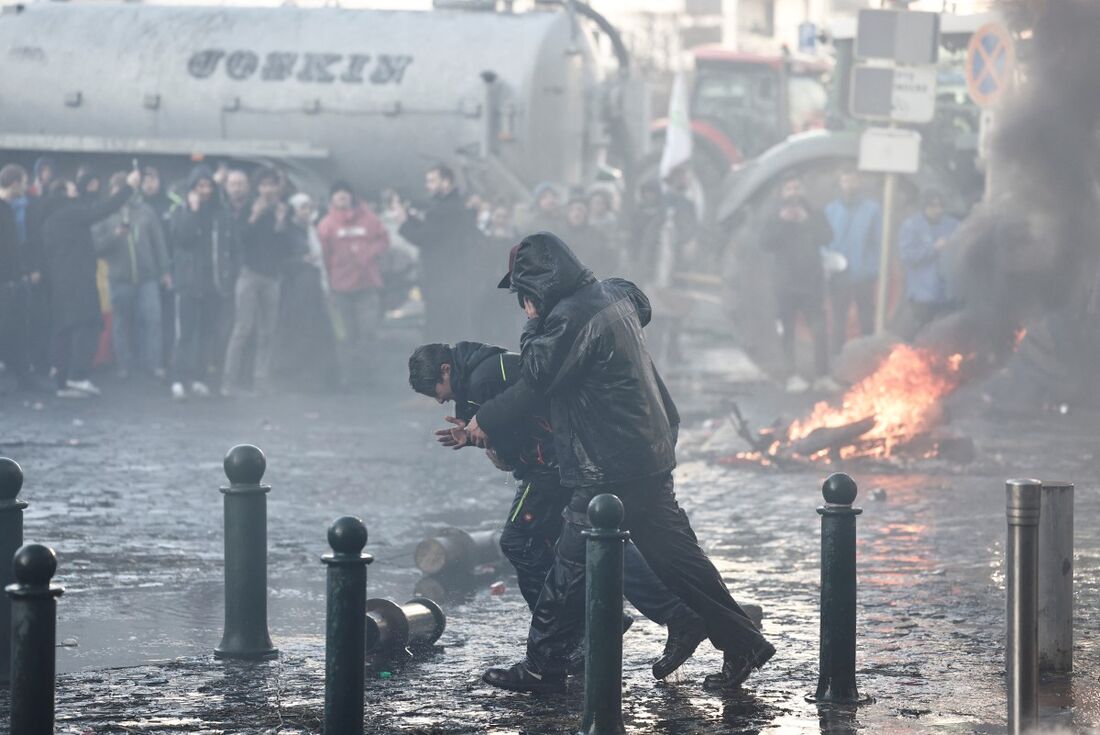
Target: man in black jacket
{"points": [[471, 374], [205, 252], [795, 233], [447, 237], [615, 431], [14, 278]]}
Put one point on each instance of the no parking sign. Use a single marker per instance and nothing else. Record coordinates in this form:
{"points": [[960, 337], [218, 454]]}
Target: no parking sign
{"points": [[990, 62]]}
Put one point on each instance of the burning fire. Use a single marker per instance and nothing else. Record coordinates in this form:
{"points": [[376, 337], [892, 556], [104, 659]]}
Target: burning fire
{"points": [[891, 407], [902, 396]]}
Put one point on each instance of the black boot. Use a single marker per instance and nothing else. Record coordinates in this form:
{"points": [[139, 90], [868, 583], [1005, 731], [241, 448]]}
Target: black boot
{"points": [[524, 677], [685, 633], [735, 669]]}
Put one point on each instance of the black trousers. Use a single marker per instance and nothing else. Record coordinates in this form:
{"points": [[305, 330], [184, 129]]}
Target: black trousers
{"points": [[661, 531], [843, 292], [812, 308], [14, 346], [530, 538], [75, 347], [199, 330]]}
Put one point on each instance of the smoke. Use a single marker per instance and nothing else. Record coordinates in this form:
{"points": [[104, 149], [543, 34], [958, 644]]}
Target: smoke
{"points": [[1034, 247]]}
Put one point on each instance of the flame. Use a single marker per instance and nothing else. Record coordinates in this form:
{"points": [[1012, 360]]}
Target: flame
{"points": [[903, 395]]}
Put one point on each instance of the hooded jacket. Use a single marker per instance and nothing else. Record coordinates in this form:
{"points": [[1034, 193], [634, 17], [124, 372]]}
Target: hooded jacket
{"points": [[205, 249], [523, 439], [352, 242], [139, 256], [614, 421]]}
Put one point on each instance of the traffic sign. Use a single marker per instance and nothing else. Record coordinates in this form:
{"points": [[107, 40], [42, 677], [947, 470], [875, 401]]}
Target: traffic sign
{"points": [[990, 63], [889, 150], [901, 36], [899, 94]]}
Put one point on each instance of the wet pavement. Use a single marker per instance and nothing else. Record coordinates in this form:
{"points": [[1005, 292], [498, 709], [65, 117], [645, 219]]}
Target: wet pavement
{"points": [[126, 489]]}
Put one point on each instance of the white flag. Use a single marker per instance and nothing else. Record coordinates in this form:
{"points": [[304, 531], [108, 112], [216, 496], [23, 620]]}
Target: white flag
{"points": [[678, 135]]}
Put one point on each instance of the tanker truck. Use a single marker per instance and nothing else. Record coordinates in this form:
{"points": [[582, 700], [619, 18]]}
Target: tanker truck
{"points": [[371, 96]]}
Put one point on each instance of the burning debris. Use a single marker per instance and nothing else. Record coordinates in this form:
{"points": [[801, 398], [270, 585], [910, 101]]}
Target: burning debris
{"points": [[894, 411]]}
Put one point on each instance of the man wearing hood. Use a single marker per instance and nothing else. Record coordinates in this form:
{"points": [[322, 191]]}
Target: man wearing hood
{"points": [[447, 236], [352, 243], [615, 431], [71, 258], [132, 242], [205, 251], [472, 374]]}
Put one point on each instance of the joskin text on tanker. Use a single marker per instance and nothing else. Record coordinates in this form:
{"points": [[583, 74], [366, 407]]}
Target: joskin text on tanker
{"points": [[317, 68]]}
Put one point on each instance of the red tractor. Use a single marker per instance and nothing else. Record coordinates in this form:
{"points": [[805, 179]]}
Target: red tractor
{"points": [[742, 104]]}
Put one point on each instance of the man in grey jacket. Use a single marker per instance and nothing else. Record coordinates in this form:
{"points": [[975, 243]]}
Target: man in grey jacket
{"points": [[133, 244]]}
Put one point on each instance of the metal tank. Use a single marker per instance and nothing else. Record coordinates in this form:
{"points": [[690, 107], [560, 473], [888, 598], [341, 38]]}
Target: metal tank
{"points": [[368, 95]]}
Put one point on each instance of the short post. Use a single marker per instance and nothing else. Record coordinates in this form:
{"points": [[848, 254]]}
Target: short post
{"points": [[1056, 578], [1023, 505], [11, 538], [603, 662], [345, 626], [33, 637], [836, 682], [245, 635]]}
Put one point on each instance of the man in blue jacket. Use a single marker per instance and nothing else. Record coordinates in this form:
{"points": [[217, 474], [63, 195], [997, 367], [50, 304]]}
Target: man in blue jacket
{"points": [[856, 222], [921, 240]]}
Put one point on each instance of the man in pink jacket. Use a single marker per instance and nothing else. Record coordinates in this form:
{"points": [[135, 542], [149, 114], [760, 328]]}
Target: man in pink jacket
{"points": [[352, 239]]}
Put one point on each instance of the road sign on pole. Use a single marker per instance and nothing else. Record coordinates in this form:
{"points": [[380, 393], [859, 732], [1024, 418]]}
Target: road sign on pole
{"points": [[889, 150], [990, 64], [901, 36], [896, 94]]}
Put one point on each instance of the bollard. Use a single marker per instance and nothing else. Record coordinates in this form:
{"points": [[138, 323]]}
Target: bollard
{"points": [[393, 628], [836, 681], [33, 637], [1022, 559], [11, 538], [345, 626], [245, 635], [603, 661], [456, 551], [1056, 578]]}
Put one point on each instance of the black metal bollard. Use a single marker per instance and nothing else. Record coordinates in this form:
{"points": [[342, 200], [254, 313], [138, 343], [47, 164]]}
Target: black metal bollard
{"points": [[33, 637], [345, 626], [1023, 511], [11, 538], [836, 681], [245, 635], [603, 662]]}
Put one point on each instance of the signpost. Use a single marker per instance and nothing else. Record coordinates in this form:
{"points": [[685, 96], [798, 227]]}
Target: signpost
{"points": [[897, 86], [990, 66]]}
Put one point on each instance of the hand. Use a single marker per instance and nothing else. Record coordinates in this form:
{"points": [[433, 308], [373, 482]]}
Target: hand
{"points": [[477, 436], [166, 281], [133, 179], [193, 201], [258, 208], [35, 277], [122, 230], [400, 212], [455, 437], [941, 243], [221, 174]]}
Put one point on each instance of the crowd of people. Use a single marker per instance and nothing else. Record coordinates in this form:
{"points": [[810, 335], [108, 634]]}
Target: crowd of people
{"points": [[229, 282], [827, 262]]}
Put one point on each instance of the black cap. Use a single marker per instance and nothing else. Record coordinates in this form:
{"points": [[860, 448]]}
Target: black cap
{"points": [[506, 282]]}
